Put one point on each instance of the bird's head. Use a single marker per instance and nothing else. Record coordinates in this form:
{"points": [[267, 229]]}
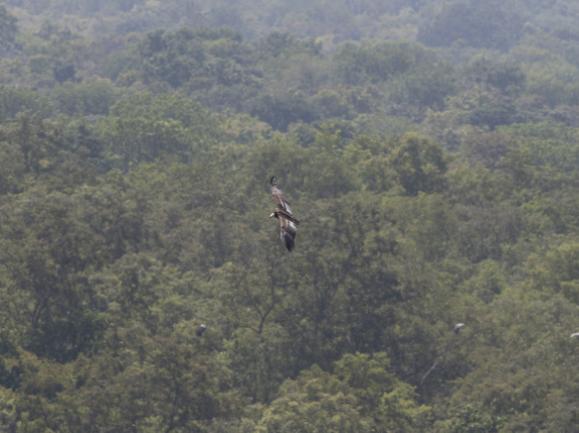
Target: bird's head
{"points": [[273, 215], [273, 181]]}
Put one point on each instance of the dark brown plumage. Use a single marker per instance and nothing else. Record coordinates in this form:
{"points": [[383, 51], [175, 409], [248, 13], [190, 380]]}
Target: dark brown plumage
{"points": [[283, 214]]}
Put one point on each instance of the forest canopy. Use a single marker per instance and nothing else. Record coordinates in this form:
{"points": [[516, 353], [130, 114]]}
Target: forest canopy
{"points": [[429, 149]]}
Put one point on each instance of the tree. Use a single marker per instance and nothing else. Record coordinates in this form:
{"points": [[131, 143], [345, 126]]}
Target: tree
{"points": [[8, 29], [144, 128], [280, 111], [492, 24], [360, 395], [419, 164]]}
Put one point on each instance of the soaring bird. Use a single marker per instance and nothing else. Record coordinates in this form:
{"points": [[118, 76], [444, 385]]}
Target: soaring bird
{"points": [[201, 330], [283, 214], [449, 346]]}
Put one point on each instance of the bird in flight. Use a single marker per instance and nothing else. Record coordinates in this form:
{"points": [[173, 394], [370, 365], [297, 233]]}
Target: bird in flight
{"points": [[283, 213], [458, 327], [201, 330]]}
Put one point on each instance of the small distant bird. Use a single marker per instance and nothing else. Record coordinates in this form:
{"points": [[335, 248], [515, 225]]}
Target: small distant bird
{"points": [[283, 214], [201, 330], [458, 327], [575, 335]]}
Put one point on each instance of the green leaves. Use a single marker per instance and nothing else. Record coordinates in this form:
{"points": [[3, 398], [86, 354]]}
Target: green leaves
{"points": [[490, 25], [360, 395], [433, 186], [420, 165], [8, 29]]}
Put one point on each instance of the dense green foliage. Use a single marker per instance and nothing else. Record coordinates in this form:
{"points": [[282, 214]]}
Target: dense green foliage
{"points": [[430, 149]]}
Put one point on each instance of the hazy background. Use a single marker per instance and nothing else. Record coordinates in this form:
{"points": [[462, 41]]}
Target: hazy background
{"points": [[430, 150]]}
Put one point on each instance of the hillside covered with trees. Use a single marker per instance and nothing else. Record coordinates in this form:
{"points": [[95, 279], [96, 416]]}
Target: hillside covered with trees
{"points": [[429, 148]]}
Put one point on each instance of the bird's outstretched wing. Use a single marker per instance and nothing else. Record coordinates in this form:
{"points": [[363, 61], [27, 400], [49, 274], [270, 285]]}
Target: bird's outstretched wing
{"points": [[287, 222], [287, 231], [278, 197], [288, 216]]}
